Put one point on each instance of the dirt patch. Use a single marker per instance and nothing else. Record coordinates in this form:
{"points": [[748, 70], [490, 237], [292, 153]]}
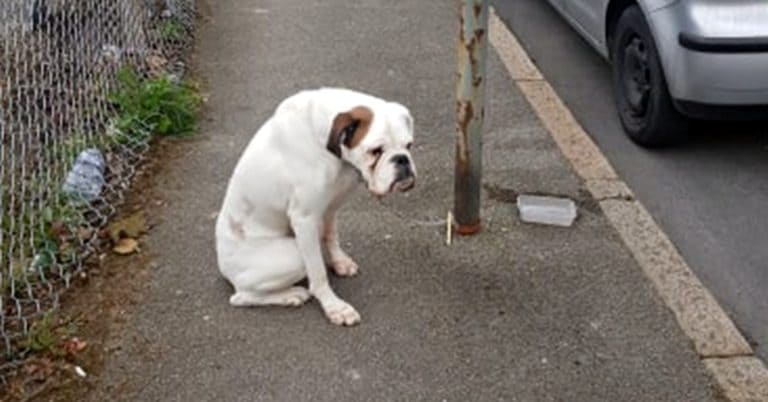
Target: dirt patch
{"points": [[502, 194], [94, 310]]}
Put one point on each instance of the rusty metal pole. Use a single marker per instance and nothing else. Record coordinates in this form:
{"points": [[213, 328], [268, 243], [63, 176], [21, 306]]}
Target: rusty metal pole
{"points": [[471, 51]]}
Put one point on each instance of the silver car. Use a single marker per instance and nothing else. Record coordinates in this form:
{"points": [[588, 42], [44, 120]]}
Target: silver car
{"points": [[678, 59]]}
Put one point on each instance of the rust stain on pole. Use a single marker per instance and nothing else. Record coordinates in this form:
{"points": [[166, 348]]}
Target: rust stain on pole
{"points": [[471, 51], [464, 115]]}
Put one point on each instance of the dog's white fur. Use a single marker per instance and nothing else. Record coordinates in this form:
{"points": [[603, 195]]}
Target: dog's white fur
{"points": [[278, 214]]}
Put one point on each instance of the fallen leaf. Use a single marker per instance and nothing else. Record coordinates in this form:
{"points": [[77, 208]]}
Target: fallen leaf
{"points": [[84, 233], [132, 226], [31, 368], [39, 370], [64, 246], [156, 65], [156, 62], [58, 229], [74, 345], [126, 246]]}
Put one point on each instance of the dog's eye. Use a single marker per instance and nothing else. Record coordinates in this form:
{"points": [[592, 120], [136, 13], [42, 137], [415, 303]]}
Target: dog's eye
{"points": [[376, 151], [408, 146]]}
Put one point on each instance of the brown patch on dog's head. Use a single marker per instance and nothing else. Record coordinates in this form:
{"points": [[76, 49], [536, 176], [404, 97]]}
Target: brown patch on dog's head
{"points": [[349, 128]]}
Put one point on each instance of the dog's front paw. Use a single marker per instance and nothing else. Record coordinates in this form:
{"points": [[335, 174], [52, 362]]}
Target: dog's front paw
{"points": [[343, 265], [342, 313]]}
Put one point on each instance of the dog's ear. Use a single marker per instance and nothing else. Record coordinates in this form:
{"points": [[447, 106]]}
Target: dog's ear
{"points": [[343, 123], [348, 129]]}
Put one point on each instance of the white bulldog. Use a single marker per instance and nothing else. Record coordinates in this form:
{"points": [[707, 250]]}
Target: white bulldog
{"points": [[279, 212]]}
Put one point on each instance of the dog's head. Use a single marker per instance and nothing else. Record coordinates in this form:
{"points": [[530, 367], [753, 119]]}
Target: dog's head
{"points": [[376, 140]]}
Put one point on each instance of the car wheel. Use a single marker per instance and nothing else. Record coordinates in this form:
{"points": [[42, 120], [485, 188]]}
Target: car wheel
{"points": [[645, 107]]}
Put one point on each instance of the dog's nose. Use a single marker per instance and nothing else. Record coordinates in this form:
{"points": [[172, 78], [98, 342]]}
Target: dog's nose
{"points": [[400, 160]]}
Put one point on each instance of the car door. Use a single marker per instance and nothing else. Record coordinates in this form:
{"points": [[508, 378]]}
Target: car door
{"points": [[589, 18]]}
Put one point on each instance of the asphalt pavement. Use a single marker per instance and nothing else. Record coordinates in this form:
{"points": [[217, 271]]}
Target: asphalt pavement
{"points": [[709, 194], [517, 313]]}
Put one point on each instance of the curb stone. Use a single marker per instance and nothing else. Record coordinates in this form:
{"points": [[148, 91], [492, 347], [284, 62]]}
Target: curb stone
{"points": [[741, 378]]}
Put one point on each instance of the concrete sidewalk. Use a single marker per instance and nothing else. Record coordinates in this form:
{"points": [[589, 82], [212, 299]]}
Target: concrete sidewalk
{"points": [[519, 312]]}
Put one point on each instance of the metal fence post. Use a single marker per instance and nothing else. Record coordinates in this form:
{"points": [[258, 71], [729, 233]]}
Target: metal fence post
{"points": [[471, 53]]}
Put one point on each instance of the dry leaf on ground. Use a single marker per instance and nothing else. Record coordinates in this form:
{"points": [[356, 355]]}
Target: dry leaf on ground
{"points": [[84, 233], [74, 345], [126, 246], [132, 226], [39, 369]]}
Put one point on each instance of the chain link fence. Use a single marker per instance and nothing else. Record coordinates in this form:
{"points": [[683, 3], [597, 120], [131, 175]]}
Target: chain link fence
{"points": [[59, 62]]}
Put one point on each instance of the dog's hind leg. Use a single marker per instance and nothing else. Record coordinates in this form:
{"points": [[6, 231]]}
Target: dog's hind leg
{"points": [[265, 273]]}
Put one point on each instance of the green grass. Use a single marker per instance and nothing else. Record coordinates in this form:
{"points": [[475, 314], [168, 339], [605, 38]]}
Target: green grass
{"points": [[157, 106]]}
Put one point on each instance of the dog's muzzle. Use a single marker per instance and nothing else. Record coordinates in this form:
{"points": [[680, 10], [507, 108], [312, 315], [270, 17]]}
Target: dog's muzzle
{"points": [[404, 177]]}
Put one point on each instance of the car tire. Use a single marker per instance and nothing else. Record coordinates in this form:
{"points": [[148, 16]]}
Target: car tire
{"points": [[645, 108]]}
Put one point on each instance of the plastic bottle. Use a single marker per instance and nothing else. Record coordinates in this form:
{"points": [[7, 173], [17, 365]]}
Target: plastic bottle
{"points": [[86, 179]]}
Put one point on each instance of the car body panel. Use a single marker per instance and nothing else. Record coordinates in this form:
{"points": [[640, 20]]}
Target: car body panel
{"points": [[590, 15], [591, 35], [728, 78], [710, 77]]}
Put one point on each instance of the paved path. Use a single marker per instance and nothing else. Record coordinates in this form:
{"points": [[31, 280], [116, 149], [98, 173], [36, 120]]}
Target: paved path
{"points": [[519, 312]]}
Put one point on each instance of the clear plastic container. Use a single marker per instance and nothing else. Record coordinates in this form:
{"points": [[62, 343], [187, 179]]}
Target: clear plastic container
{"points": [[546, 210]]}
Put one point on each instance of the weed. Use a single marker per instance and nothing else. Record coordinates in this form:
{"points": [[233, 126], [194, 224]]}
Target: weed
{"points": [[53, 233], [47, 335], [153, 106], [42, 336], [14, 283], [172, 30]]}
